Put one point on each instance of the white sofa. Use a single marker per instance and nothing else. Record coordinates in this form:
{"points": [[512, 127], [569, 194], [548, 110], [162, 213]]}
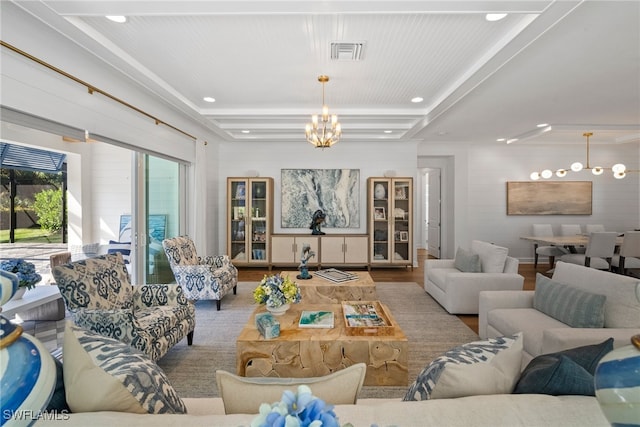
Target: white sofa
{"points": [[487, 410], [458, 291], [506, 312]]}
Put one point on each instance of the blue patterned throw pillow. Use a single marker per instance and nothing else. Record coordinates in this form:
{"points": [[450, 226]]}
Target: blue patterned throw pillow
{"points": [[481, 367], [123, 247], [103, 374]]}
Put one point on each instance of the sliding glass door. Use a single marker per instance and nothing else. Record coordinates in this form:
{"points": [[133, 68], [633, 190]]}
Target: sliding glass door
{"points": [[159, 194]]}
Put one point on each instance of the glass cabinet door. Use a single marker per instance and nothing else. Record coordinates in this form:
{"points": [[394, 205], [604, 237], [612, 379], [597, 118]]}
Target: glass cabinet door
{"points": [[259, 227], [379, 220], [401, 220], [237, 190]]}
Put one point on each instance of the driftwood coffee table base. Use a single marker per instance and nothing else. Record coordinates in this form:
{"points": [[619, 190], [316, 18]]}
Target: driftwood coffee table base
{"points": [[303, 353]]}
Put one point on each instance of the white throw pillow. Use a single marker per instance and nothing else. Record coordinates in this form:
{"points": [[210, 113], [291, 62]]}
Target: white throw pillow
{"points": [[242, 395], [481, 367], [103, 374], [492, 257]]}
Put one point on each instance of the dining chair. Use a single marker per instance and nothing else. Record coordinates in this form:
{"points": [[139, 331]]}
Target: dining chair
{"points": [[629, 256], [571, 230], [545, 230], [599, 252], [592, 228]]}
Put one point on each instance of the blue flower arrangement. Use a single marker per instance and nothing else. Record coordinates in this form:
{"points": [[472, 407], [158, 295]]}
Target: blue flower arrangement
{"points": [[26, 271], [301, 409]]}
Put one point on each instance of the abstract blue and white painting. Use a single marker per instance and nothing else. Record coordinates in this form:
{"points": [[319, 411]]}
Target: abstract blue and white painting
{"points": [[335, 191]]}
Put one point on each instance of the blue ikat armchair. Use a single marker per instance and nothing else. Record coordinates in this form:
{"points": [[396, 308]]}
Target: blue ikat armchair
{"points": [[100, 298], [209, 277]]}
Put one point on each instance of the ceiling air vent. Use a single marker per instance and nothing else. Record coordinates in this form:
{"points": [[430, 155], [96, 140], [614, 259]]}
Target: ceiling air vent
{"points": [[347, 51]]}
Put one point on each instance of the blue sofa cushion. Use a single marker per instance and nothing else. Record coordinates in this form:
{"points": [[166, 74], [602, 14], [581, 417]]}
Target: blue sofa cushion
{"points": [[568, 372]]}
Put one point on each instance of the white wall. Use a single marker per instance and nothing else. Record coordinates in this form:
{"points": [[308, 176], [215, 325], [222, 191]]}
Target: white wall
{"points": [[480, 197], [268, 158]]}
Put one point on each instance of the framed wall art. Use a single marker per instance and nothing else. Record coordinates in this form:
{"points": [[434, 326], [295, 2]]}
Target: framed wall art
{"points": [[334, 191], [549, 198], [157, 228]]}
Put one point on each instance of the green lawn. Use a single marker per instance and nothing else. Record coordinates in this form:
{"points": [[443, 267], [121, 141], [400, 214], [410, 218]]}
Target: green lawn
{"points": [[31, 235]]}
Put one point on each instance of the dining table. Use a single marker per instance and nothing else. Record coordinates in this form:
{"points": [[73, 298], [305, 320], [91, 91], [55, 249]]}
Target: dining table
{"points": [[576, 240]]}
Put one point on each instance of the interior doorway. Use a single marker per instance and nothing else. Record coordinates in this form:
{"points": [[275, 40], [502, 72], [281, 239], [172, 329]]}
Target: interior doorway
{"points": [[432, 211]]}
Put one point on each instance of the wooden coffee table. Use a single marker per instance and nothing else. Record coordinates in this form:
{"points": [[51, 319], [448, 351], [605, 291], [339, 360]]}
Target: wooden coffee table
{"points": [[303, 353], [319, 290]]}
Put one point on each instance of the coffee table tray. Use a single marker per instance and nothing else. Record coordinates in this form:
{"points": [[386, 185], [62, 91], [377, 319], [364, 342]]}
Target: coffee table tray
{"points": [[367, 318]]}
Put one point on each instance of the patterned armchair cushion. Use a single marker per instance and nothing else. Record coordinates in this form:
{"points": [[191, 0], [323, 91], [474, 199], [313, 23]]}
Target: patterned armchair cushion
{"points": [[100, 283], [209, 277], [181, 251]]}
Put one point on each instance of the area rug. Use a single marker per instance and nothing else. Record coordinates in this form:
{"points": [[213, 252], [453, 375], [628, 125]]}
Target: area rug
{"points": [[191, 369]]}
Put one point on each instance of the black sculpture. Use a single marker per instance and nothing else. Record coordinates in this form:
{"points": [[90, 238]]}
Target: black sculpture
{"points": [[318, 219]]}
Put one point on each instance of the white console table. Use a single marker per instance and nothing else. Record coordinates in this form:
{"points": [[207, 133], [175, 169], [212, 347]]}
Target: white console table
{"points": [[32, 298]]}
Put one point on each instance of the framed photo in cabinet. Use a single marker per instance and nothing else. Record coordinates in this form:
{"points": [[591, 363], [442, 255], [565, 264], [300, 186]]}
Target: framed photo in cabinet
{"points": [[241, 191], [379, 213], [404, 236]]}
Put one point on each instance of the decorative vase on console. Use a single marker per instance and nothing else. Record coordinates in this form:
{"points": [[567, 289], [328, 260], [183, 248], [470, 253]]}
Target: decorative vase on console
{"points": [[617, 383]]}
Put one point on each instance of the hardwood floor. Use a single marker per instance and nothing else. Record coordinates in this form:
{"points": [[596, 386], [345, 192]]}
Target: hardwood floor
{"points": [[408, 275]]}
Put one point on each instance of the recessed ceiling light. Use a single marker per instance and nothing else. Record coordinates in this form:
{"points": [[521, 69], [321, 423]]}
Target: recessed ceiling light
{"points": [[509, 141], [541, 125], [246, 131], [117, 18], [388, 131], [491, 17], [501, 139], [417, 99], [209, 99]]}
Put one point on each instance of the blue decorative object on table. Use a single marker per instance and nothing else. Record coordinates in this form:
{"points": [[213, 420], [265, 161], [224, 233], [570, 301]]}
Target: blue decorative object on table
{"points": [[617, 381], [307, 253], [28, 372], [26, 271], [297, 409], [267, 325]]}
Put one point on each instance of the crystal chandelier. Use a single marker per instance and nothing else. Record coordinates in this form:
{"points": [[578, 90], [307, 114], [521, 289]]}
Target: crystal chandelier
{"points": [[324, 133], [619, 170]]}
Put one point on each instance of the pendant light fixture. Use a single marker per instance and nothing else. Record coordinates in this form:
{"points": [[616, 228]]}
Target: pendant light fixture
{"points": [[619, 170], [324, 130]]}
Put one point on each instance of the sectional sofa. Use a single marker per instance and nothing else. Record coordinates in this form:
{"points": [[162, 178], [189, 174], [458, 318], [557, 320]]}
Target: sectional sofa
{"points": [[607, 302], [510, 410]]}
